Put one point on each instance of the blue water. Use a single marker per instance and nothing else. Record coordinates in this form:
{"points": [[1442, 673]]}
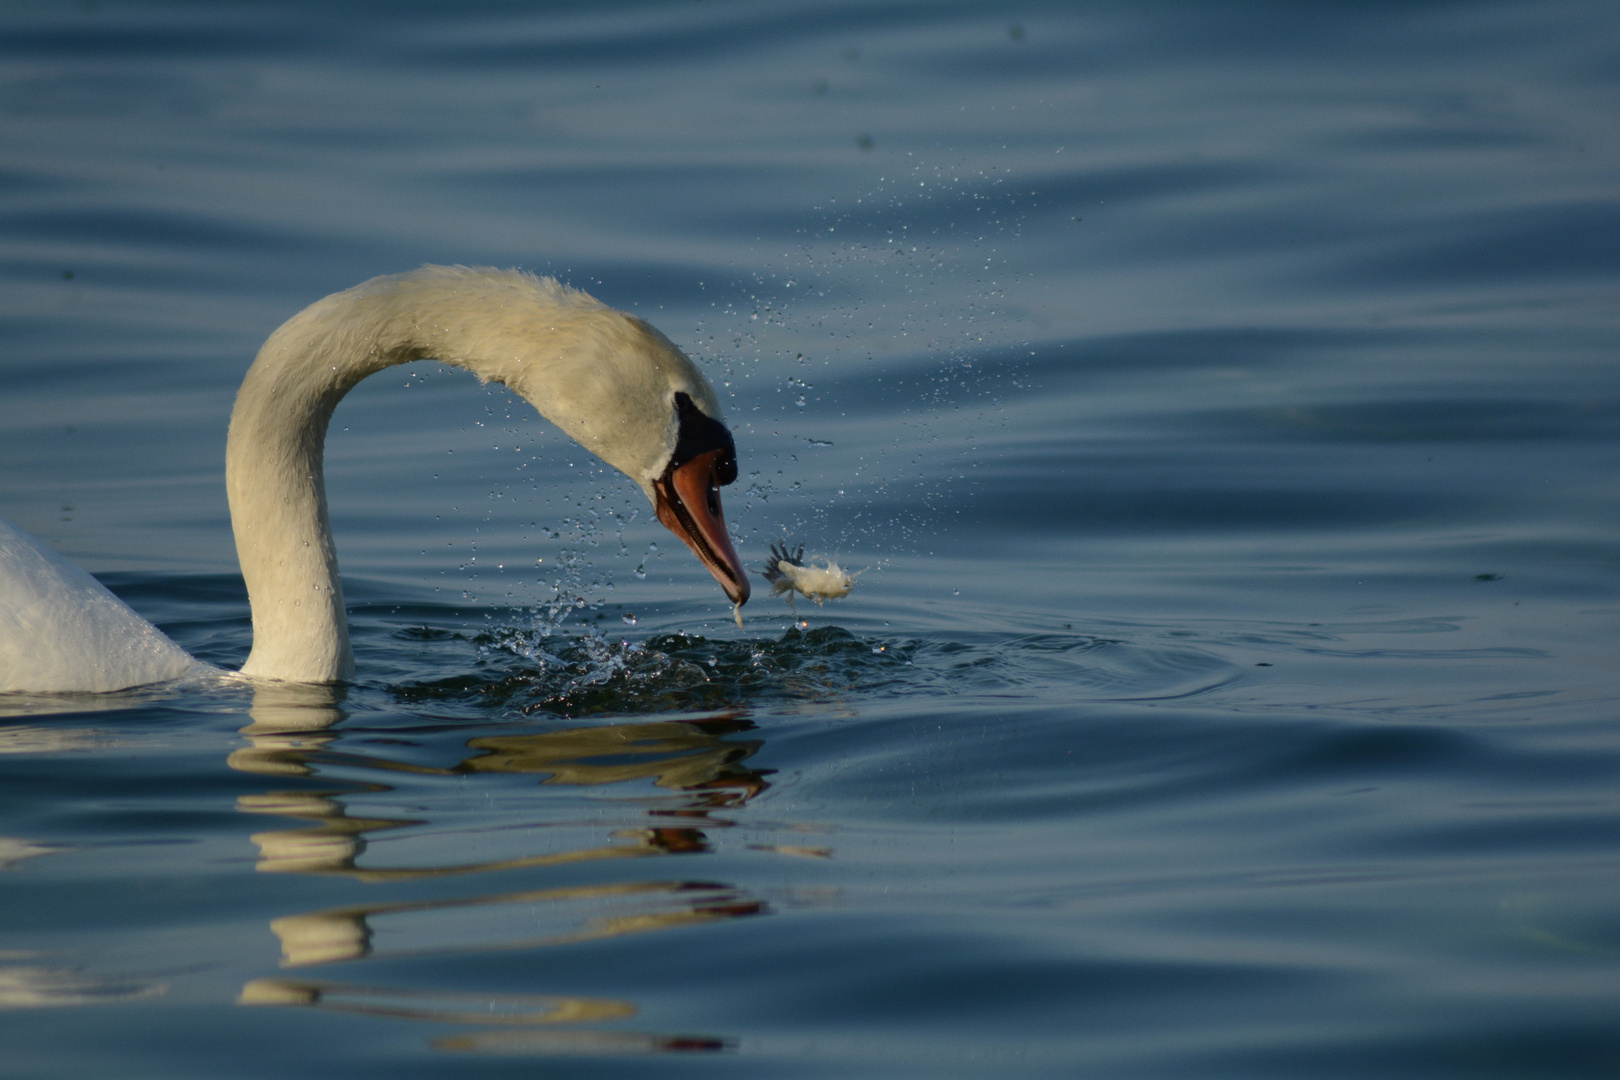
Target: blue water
{"points": [[1221, 401]]}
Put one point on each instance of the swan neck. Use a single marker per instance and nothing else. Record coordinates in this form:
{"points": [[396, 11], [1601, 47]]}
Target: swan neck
{"points": [[604, 377], [275, 480]]}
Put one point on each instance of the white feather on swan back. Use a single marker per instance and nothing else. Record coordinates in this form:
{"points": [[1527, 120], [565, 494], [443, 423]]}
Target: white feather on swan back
{"points": [[61, 630]]}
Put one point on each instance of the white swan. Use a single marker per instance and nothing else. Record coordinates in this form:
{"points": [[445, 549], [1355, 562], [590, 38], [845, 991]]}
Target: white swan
{"points": [[609, 380]]}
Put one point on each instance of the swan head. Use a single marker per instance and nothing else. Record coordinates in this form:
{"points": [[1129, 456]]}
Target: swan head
{"points": [[629, 395], [687, 494], [608, 379]]}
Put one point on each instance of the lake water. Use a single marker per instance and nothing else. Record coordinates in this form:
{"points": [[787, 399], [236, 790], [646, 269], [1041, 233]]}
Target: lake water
{"points": [[1221, 400]]}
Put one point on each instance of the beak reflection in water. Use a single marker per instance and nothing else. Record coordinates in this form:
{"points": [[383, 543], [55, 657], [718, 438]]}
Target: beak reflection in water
{"points": [[699, 763]]}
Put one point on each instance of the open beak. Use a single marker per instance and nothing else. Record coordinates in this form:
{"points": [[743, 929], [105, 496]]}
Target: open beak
{"points": [[688, 502]]}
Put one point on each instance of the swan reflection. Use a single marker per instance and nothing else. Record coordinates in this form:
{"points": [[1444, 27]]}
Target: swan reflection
{"points": [[442, 1005], [290, 738], [13, 850], [699, 762], [581, 913], [518, 1017], [30, 986], [550, 1043]]}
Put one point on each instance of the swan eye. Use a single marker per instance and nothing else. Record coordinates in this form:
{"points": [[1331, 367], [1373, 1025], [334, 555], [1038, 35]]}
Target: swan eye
{"points": [[697, 433]]}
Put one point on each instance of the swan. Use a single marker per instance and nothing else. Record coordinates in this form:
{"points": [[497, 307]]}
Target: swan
{"points": [[609, 380]]}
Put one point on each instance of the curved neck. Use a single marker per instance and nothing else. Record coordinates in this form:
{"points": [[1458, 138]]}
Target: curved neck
{"points": [[604, 377], [277, 490]]}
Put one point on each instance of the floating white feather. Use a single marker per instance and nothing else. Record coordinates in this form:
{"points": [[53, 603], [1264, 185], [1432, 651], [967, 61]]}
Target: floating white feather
{"points": [[788, 573]]}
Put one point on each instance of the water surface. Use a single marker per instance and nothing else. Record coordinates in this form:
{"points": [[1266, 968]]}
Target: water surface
{"points": [[1220, 401]]}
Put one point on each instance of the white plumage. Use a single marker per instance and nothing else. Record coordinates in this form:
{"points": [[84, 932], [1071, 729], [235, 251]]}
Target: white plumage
{"points": [[607, 379], [788, 573], [61, 630]]}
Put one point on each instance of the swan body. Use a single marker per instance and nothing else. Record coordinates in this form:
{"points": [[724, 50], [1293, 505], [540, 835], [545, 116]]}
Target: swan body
{"points": [[609, 380], [61, 630]]}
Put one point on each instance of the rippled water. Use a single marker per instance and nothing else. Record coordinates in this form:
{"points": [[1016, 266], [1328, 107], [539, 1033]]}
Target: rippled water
{"points": [[1220, 401]]}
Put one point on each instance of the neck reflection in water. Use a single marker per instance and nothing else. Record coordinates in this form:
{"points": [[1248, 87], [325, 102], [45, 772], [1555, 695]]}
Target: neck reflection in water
{"points": [[700, 762]]}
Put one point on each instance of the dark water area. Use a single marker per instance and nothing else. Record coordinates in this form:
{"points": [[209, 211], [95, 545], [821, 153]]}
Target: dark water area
{"points": [[1219, 400]]}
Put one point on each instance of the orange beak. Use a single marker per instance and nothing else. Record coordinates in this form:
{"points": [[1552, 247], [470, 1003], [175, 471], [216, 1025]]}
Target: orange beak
{"points": [[688, 503]]}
